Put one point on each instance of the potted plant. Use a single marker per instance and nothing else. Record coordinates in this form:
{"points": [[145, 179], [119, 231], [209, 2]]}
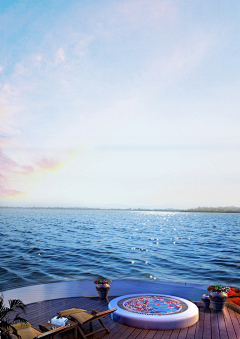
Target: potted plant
{"points": [[6, 318], [218, 296], [103, 287]]}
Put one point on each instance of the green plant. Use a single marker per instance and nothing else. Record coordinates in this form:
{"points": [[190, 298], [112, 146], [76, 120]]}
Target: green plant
{"points": [[7, 319], [218, 289]]}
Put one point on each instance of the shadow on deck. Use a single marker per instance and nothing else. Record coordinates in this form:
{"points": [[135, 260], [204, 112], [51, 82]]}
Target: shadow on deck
{"points": [[211, 325]]}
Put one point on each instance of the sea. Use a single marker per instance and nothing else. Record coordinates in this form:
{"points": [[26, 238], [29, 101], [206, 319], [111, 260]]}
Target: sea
{"points": [[50, 245]]}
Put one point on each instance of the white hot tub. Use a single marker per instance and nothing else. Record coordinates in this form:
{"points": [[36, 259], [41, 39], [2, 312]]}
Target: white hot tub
{"points": [[154, 311]]}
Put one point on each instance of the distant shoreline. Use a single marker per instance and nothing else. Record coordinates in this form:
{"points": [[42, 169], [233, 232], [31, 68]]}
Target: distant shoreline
{"points": [[93, 209], [230, 209], [192, 210]]}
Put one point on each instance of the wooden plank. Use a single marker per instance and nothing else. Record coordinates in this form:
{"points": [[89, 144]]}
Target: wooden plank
{"points": [[183, 333], [133, 336], [127, 333], [214, 325], [175, 334], [229, 329], [238, 316], [221, 321], [136, 332], [192, 330], [229, 325], [166, 335], [142, 334], [235, 322], [223, 335], [200, 323], [232, 335], [113, 333], [116, 335], [158, 335], [207, 324], [120, 329], [199, 330], [125, 328], [150, 334], [222, 325], [111, 328]]}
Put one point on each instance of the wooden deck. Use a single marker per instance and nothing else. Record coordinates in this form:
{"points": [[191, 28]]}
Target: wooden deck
{"points": [[211, 325]]}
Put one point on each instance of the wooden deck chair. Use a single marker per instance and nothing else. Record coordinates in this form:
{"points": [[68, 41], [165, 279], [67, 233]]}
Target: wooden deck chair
{"points": [[26, 331], [82, 317]]}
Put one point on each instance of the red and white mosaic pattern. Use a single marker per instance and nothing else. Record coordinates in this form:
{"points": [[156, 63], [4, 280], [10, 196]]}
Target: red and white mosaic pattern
{"points": [[153, 305]]}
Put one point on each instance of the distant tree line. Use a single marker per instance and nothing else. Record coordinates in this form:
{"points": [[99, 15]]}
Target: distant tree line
{"points": [[230, 209]]}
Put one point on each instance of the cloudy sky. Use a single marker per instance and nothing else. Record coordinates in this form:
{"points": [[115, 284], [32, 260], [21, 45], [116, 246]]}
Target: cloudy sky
{"points": [[131, 103]]}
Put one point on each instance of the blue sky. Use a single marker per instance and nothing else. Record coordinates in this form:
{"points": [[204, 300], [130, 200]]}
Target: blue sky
{"points": [[119, 103]]}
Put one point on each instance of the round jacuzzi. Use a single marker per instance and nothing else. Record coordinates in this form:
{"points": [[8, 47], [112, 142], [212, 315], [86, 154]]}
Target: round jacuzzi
{"points": [[154, 311]]}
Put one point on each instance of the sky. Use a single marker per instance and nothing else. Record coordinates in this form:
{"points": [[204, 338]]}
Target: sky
{"points": [[126, 104]]}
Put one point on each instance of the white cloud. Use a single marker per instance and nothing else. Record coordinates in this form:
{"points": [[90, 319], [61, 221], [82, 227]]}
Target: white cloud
{"points": [[60, 55], [20, 69], [142, 12], [37, 59]]}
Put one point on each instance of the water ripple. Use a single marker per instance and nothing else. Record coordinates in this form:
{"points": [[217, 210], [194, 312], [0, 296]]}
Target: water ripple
{"points": [[47, 245]]}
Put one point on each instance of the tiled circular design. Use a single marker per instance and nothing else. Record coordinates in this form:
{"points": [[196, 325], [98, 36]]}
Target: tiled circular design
{"points": [[154, 311], [152, 305]]}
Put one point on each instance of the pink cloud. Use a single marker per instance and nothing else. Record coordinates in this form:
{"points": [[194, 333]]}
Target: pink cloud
{"points": [[4, 192], [5, 161], [12, 172], [49, 163], [18, 173], [28, 169], [7, 168]]}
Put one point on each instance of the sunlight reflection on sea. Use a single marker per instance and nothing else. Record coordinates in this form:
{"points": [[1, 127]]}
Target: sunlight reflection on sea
{"points": [[49, 245]]}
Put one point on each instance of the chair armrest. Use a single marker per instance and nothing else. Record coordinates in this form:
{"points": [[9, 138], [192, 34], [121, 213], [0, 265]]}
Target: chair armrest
{"points": [[104, 313], [94, 311]]}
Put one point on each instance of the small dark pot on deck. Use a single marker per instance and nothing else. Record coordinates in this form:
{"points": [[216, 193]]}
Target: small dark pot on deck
{"points": [[103, 290]]}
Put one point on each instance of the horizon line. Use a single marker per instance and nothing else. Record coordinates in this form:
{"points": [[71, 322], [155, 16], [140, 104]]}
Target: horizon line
{"points": [[229, 209]]}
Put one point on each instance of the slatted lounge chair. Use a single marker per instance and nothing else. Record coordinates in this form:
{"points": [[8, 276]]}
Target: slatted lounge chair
{"points": [[82, 317], [26, 331]]}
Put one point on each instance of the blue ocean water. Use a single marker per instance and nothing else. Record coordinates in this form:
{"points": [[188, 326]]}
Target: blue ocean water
{"points": [[50, 245]]}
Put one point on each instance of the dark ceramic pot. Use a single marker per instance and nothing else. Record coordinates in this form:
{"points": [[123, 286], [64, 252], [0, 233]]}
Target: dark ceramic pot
{"points": [[218, 300], [103, 290]]}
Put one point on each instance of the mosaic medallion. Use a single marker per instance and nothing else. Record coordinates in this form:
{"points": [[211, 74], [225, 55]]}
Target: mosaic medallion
{"points": [[152, 305]]}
